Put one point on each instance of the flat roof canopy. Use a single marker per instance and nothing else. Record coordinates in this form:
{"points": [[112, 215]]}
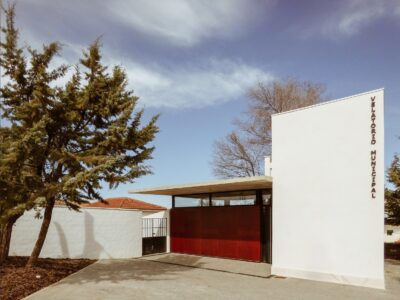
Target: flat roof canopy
{"points": [[226, 185]]}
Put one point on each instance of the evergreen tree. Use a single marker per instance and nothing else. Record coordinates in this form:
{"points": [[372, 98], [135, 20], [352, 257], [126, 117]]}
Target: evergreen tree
{"points": [[392, 197], [17, 183], [86, 132]]}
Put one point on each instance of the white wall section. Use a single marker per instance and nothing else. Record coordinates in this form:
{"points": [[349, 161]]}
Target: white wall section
{"points": [[92, 233], [328, 191]]}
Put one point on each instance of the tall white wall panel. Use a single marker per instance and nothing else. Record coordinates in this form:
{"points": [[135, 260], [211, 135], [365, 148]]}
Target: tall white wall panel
{"points": [[328, 222]]}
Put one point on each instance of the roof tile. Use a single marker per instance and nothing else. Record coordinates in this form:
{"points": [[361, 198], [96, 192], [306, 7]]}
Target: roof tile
{"points": [[125, 203]]}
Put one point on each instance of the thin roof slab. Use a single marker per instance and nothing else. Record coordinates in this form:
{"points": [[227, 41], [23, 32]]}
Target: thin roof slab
{"points": [[226, 185]]}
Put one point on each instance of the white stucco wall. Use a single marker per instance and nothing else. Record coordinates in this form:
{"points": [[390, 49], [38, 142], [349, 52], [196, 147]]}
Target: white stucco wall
{"points": [[92, 233], [146, 213], [326, 225]]}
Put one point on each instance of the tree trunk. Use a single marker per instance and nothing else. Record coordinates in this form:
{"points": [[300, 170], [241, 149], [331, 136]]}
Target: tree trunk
{"points": [[5, 237], [3, 255], [6, 240], [42, 234]]}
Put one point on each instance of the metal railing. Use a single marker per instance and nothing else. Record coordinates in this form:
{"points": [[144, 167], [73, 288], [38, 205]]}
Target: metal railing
{"points": [[154, 227]]}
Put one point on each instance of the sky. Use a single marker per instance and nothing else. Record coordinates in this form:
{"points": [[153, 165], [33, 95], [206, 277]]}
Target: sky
{"points": [[192, 61]]}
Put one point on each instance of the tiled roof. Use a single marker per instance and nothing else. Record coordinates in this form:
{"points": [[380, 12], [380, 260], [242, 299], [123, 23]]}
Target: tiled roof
{"points": [[124, 202]]}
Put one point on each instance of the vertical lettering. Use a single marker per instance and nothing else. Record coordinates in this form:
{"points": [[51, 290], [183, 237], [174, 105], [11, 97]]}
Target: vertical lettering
{"points": [[373, 151]]}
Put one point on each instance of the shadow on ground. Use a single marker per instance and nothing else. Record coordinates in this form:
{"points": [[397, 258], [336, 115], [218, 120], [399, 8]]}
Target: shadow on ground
{"points": [[249, 268], [116, 271]]}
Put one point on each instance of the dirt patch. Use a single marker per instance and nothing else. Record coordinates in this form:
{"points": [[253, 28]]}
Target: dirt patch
{"points": [[17, 281]]}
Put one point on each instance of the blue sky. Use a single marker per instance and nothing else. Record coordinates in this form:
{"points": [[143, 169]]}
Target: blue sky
{"points": [[193, 61]]}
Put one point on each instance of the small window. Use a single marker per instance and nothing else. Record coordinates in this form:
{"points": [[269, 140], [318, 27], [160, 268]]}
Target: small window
{"points": [[233, 198], [192, 200], [389, 232]]}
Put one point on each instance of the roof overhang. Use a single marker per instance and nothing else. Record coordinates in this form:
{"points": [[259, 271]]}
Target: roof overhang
{"points": [[226, 185]]}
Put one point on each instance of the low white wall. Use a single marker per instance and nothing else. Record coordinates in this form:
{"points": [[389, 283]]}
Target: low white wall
{"points": [[328, 194], [92, 233]]}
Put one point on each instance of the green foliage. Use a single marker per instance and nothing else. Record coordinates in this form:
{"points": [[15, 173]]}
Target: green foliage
{"points": [[16, 178], [64, 140], [392, 197]]}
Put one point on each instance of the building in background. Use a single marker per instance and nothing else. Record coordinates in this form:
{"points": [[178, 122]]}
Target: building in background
{"points": [[392, 234], [126, 203]]}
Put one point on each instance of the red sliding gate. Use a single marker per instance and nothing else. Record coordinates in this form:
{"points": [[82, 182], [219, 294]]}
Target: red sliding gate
{"points": [[225, 231]]}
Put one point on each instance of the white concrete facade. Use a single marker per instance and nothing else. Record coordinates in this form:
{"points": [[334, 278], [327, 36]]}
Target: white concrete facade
{"points": [[93, 233], [328, 191]]}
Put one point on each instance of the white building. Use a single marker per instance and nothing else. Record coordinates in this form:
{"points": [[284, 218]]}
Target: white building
{"points": [[320, 213]]}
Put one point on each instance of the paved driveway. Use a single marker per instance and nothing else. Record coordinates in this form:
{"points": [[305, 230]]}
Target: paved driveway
{"points": [[157, 279]]}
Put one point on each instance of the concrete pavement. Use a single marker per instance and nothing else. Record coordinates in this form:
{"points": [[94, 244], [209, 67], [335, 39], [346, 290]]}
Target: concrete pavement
{"points": [[213, 263], [146, 278]]}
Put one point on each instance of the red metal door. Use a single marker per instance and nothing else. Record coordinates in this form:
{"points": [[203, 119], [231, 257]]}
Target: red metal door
{"points": [[229, 232]]}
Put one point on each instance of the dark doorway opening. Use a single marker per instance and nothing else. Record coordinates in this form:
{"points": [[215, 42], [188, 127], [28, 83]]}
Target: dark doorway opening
{"points": [[154, 235], [265, 200]]}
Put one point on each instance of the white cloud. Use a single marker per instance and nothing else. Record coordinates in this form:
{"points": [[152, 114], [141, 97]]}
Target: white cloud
{"points": [[397, 10], [178, 22], [198, 83], [351, 17], [358, 14], [202, 82], [215, 82], [186, 22], [205, 82]]}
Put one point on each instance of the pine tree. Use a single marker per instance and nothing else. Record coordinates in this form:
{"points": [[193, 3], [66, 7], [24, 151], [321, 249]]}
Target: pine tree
{"points": [[392, 197], [17, 183], [87, 131]]}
